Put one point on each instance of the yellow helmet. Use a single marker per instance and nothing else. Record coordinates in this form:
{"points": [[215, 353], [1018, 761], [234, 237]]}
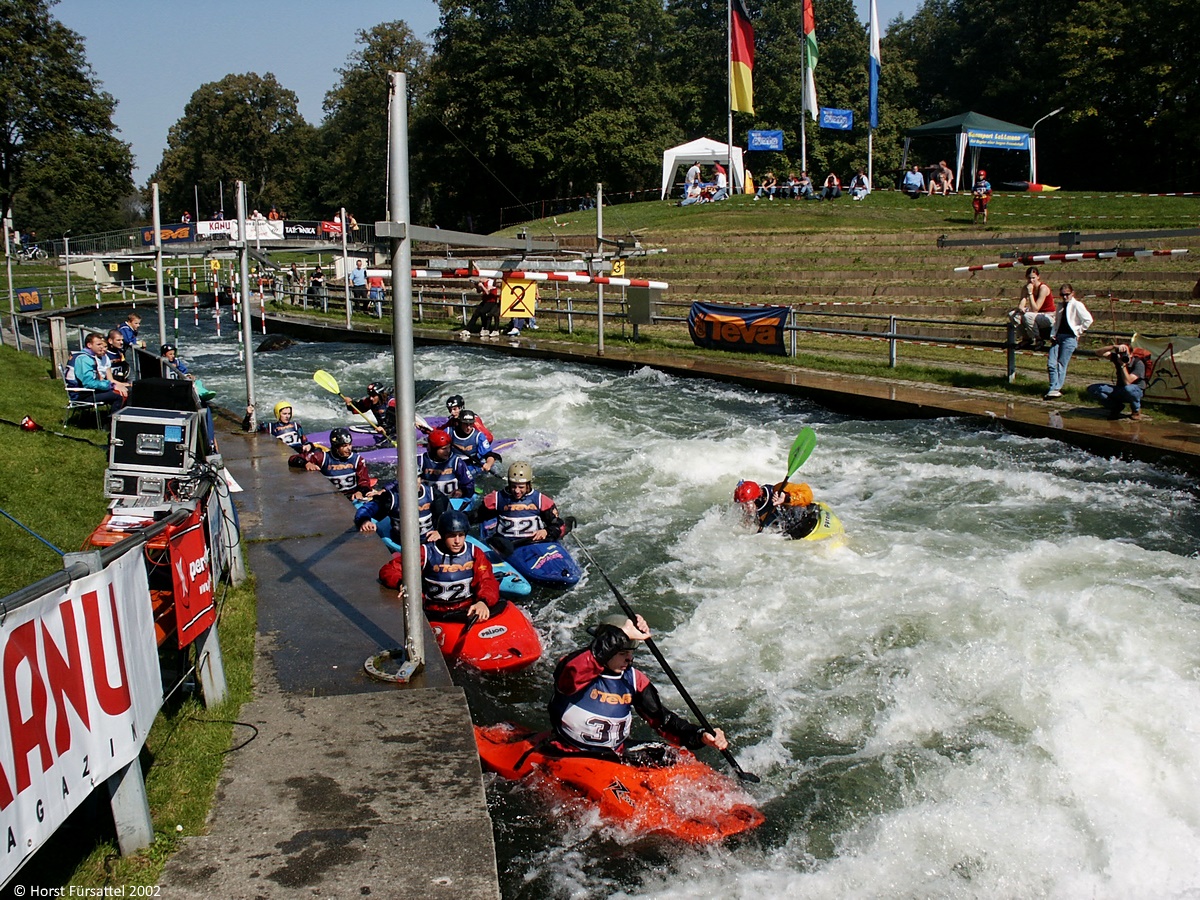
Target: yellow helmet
{"points": [[281, 406]]}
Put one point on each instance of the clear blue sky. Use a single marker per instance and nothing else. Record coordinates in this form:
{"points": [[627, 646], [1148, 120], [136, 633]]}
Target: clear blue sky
{"points": [[153, 54]]}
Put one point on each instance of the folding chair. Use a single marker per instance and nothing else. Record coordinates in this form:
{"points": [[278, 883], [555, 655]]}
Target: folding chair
{"points": [[79, 397]]}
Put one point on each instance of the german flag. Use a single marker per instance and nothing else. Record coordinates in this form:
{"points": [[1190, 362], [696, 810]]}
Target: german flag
{"points": [[741, 58]]}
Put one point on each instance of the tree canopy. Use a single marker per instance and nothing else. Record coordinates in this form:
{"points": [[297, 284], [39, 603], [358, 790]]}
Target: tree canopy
{"points": [[522, 101], [61, 165]]}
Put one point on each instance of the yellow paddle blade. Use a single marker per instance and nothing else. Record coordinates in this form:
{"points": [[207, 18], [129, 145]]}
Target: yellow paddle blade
{"points": [[327, 381]]}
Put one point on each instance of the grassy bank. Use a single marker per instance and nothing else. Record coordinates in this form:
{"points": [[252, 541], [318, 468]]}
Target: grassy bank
{"points": [[51, 481]]}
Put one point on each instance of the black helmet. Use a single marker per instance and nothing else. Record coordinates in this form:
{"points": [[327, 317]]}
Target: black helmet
{"points": [[452, 521], [608, 639], [456, 400], [374, 388], [166, 348], [341, 437], [467, 418]]}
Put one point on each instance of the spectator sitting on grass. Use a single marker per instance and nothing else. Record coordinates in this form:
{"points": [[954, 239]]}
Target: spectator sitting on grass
{"points": [[914, 182]]}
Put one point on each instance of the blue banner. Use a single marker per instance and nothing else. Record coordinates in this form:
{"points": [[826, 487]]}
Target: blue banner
{"points": [[764, 140], [30, 299], [748, 329], [838, 119], [1004, 140]]}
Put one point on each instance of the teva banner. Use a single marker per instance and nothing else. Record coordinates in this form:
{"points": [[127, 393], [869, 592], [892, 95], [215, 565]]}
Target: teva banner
{"points": [[171, 234], [81, 688], [518, 299], [764, 140], [29, 299], [756, 329], [837, 119]]}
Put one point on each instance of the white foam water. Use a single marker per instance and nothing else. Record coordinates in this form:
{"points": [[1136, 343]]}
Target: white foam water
{"points": [[992, 690]]}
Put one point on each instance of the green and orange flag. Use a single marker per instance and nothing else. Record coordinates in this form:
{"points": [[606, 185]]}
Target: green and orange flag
{"points": [[810, 60], [741, 58]]}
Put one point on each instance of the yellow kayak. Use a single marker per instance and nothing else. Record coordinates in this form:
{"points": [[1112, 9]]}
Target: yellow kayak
{"points": [[828, 525]]}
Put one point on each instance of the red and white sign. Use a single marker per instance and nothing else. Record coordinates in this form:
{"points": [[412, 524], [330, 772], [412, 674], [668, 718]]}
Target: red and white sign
{"points": [[192, 576], [81, 687]]}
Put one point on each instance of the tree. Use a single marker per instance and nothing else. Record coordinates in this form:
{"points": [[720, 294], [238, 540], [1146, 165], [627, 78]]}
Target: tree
{"points": [[61, 165], [351, 169], [541, 98], [243, 127]]}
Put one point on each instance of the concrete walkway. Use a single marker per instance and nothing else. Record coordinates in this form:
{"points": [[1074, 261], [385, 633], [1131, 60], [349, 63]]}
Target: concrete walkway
{"points": [[349, 787]]}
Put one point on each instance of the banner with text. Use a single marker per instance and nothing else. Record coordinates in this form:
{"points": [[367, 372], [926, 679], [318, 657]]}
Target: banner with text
{"points": [[755, 329], [192, 577], [81, 686], [29, 299], [171, 234], [1005, 140], [837, 119], [764, 140]]}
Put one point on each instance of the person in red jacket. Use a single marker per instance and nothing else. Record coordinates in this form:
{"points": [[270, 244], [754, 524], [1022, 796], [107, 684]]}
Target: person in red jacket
{"points": [[596, 691], [457, 582]]}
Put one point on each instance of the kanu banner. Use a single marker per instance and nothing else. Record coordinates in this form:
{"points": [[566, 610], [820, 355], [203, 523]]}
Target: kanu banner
{"points": [[756, 329], [192, 578], [81, 690], [256, 229]]}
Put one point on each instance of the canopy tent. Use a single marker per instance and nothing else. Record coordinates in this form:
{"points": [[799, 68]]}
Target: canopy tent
{"points": [[702, 150], [976, 131]]}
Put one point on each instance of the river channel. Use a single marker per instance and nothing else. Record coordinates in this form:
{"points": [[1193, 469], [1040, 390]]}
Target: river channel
{"points": [[991, 690]]}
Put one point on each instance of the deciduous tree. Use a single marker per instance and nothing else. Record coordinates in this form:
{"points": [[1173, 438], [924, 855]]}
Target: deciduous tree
{"points": [[61, 163]]}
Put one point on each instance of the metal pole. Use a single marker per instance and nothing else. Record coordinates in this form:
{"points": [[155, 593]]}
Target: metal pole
{"points": [[67, 263], [12, 300], [346, 269], [158, 272], [196, 189], [247, 325], [402, 343], [600, 253]]}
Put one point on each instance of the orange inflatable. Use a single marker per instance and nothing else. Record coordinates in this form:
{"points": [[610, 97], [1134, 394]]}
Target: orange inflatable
{"points": [[684, 798]]}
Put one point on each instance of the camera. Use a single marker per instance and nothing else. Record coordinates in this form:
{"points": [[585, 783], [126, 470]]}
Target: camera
{"points": [[1123, 358]]}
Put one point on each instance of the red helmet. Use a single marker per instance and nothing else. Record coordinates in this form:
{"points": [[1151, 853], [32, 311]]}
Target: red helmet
{"points": [[438, 439], [747, 491]]}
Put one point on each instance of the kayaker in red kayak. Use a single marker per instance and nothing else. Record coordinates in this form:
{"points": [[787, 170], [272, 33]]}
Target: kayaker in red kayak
{"points": [[457, 582], [596, 690]]}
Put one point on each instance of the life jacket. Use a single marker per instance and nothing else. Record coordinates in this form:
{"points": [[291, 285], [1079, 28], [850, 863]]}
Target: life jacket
{"points": [[517, 520], [443, 477], [342, 472], [601, 714], [291, 434], [446, 578]]}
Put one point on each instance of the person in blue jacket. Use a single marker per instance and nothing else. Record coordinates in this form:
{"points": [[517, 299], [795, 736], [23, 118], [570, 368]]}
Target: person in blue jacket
{"points": [[88, 366]]}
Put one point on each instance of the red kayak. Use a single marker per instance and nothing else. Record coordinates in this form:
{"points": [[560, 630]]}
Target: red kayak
{"points": [[682, 798], [507, 642]]}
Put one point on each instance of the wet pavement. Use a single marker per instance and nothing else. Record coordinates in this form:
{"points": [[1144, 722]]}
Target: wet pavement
{"points": [[350, 786]]}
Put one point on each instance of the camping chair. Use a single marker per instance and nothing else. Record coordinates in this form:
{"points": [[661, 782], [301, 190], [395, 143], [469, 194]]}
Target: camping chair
{"points": [[78, 397]]}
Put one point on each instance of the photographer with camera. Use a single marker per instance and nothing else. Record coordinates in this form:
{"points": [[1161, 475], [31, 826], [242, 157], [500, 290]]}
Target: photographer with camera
{"points": [[1128, 384]]}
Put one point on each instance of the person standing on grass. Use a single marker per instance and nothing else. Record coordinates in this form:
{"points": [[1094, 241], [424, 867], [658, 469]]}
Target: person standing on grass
{"points": [[1070, 322]]}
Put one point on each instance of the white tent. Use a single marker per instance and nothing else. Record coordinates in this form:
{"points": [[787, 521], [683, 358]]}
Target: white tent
{"points": [[702, 150]]}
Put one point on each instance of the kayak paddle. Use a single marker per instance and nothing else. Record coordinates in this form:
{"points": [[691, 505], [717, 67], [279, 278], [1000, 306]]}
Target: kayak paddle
{"points": [[802, 448], [329, 383], [704, 723]]}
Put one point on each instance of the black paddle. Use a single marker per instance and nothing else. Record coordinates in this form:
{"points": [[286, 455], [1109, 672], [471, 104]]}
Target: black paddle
{"points": [[700, 717]]}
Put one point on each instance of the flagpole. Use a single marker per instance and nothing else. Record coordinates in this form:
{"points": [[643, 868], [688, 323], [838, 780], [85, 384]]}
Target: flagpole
{"points": [[729, 90], [804, 114], [873, 71]]}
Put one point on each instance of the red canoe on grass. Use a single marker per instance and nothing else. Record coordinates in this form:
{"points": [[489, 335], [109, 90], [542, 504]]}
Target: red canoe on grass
{"points": [[507, 642], [686, 799]]}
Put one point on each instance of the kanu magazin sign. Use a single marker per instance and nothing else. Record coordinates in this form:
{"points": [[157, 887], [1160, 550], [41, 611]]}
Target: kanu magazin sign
{"points": [[81, 688], [749, 329]]}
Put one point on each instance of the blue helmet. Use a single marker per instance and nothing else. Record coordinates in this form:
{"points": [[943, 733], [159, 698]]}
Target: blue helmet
{"points": [[453, 521]]}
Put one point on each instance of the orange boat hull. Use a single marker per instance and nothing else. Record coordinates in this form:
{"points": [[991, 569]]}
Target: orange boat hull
{"points": [[688, 800], [507, 642]]}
